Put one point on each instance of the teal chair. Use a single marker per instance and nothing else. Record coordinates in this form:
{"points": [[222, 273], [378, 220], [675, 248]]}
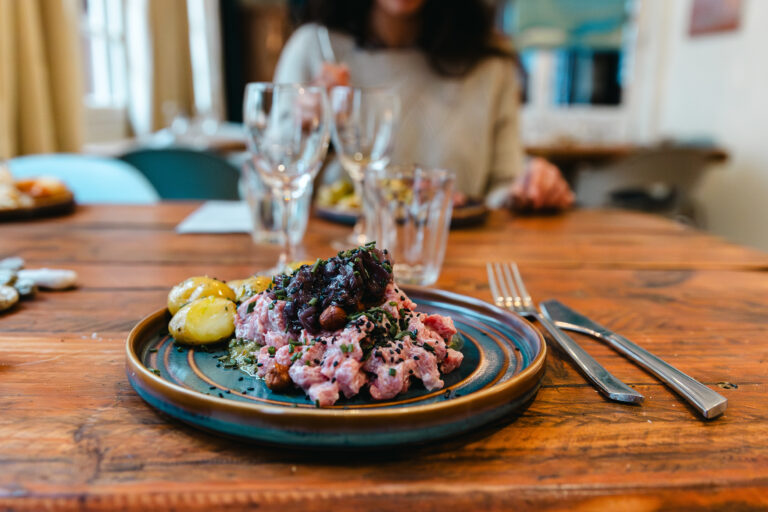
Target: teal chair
{"points": [[92, 179], [178, 173]]}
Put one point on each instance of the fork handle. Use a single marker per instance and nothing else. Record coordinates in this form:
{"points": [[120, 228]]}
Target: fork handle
{"points": [[606, 383]]}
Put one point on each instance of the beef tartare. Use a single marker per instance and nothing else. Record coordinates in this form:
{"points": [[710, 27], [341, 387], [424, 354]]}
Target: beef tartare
{"points": [[339, 326]]}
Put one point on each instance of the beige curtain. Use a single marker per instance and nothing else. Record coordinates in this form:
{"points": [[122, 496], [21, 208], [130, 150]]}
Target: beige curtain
{"points": [[41, 79], [172, 84]]}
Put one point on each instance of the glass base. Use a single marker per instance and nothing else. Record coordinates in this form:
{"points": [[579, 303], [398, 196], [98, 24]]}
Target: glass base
{"points": [[281, 265], [421, 275], [280, 268], [355, 239], [350, 242], [270, 272]]}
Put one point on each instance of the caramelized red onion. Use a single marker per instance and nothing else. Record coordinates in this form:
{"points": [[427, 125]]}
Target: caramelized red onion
{"points": [[321, 296]]}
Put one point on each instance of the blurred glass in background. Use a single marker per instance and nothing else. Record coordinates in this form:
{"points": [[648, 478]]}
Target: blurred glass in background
{"points": [[613, 89]]}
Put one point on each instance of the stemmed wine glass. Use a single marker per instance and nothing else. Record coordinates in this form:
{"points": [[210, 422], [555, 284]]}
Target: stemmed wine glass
{"points": [[287, 128], [363, 130]]}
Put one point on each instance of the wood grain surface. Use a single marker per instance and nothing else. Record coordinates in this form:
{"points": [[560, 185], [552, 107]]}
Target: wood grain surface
{"points": [[75, 436]]}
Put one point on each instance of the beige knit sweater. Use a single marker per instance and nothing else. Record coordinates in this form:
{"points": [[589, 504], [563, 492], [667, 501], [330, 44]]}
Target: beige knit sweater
{"points": [[469, 124]]}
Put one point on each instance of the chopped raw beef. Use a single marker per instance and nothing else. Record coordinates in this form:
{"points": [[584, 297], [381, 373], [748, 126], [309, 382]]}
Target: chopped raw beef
{"points": [[384, 345]]}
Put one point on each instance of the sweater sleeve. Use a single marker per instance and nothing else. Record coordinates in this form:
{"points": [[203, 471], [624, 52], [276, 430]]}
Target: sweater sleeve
{"points": [[507, 151], [300, 60]]}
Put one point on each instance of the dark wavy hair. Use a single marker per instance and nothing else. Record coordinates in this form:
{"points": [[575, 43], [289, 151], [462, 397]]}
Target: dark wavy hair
{"points": [[455, 35]]}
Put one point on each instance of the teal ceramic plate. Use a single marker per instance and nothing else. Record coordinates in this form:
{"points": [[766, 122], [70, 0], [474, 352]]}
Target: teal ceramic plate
{"points": [[502, 369], [468, 215]]}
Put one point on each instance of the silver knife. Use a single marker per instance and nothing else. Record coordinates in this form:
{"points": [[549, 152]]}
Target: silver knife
{"points": [[709, 403]]}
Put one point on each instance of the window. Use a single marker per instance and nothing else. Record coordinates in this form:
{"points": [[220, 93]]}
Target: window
{"points": [[573, 52], [103, 32], [586, 76], [577, 57]]}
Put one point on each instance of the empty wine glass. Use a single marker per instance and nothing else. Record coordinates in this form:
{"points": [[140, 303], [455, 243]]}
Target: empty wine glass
{"points": [[287, 127], [363, 130]]}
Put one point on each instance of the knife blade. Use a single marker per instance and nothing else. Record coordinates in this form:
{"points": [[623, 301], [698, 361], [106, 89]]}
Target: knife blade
{"points": [[706, 401]]}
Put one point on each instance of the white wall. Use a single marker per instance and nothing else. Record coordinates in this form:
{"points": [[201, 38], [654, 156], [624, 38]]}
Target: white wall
{"points": [[717, 86]]}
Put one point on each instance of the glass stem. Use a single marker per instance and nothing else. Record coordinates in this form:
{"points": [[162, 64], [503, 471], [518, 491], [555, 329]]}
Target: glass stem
{"points": [[358, 232], [287, 255]]}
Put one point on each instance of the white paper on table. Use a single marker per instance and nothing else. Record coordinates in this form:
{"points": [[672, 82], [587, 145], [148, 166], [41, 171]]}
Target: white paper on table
{"points": [[218, 217]]}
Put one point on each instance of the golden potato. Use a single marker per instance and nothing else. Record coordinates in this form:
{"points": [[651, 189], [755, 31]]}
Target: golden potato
{"points": [[205, 320], [350, 202], [8, 297], [196, 288], [245, 288], [329, 195]]}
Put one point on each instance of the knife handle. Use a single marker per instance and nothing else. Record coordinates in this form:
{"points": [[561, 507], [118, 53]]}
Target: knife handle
{"points": [[709, 403], [606, 383]]}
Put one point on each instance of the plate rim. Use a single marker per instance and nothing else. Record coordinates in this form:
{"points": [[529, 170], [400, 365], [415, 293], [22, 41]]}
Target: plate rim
{"points": [[528, 378], [60, 206], [470, 215]]}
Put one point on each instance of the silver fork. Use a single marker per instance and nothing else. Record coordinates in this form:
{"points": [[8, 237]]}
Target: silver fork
{"points": [[509, 292]]}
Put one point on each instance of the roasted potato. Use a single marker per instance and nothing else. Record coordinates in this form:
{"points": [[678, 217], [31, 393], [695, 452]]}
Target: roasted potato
{"points": [[330, 195], [205, 320], [350, 202], [8, 297], [278, 378], [196, 288], [333, 318], [245, 288]]}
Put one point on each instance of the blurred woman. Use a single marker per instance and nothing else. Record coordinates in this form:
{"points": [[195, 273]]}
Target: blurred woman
{"points": [[460, 98]]}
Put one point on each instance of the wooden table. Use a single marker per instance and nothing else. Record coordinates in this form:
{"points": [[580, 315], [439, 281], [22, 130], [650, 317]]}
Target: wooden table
{"points": [[75, 436]]}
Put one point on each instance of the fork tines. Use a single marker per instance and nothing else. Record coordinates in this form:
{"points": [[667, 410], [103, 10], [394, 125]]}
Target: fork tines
{"points": [[507, 286]]}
